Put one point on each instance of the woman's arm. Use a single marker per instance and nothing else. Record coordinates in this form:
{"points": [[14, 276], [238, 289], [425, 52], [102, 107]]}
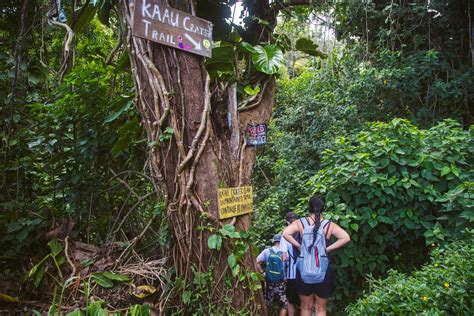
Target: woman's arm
{"points": [[289, 232], [341, 235]]}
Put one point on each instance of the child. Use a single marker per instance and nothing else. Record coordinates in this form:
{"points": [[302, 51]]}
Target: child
{"points": [[275, 274]]}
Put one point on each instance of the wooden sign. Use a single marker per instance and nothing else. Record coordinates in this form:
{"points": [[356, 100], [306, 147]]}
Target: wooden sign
{"points": [[159, 23], [235, 201], [256, 134]]}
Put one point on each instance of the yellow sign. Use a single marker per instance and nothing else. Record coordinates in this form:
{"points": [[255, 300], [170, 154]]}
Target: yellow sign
{"points": [[235, 201]]}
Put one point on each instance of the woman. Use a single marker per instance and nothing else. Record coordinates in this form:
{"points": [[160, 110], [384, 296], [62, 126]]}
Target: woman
{"points": [[318, 293]]}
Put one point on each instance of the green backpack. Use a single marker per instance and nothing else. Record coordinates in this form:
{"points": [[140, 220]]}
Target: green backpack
{"points": [[275, 267]]}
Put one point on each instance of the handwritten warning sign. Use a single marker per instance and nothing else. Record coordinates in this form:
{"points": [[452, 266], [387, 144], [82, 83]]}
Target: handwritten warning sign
{"points": [[256, 134], [235, 201], [162, 24]]}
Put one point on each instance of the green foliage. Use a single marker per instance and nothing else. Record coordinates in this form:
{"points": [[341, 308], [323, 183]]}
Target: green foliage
{"points": [[222, 61], [311, 110], [267, 59], [252, 91], [68, 147], [38, 271], [106, 279], [335, 98], [140, 310], [390, 188], [82, 17], [214, 242], [198, 295], [440, 287], [374, 78], [307, 46], [71, 150]]}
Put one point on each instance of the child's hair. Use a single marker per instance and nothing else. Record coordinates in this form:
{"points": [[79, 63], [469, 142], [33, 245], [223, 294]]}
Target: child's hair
{"points": [[291, 216]]}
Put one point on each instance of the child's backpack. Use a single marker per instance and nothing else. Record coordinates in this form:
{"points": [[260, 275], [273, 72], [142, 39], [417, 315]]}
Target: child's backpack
{"points": [[313, 262], [275, 268]]}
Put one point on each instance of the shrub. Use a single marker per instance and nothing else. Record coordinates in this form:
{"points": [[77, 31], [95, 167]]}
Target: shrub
{"points": [[441, 287], [396, 188]]}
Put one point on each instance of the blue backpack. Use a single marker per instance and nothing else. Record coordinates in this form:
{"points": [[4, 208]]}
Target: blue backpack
{"points": [[275, 268], [313, 262]]}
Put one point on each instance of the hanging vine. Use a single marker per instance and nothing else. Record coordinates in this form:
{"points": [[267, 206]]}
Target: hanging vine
{"points": [[195, 128]]}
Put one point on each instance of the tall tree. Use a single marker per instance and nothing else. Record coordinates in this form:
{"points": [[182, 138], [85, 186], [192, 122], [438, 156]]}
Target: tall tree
{"points": [[195, 126]]}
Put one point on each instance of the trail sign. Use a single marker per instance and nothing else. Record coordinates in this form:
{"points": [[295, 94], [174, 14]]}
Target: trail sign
{"points": [[234, 201], [154, 21]]}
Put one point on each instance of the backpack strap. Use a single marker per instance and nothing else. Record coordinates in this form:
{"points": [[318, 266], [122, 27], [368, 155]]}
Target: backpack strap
{"points": [[292, 256], [324, 223], [328, 224], [303, 222]]}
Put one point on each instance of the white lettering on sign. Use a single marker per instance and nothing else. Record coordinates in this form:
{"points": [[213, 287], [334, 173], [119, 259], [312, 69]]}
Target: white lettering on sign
{"points": [[195, 29], [157, 35], [146, 26], [171, 18]]}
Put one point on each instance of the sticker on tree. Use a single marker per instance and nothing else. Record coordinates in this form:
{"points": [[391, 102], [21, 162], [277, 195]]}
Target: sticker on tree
{"points": [[256, 134]]}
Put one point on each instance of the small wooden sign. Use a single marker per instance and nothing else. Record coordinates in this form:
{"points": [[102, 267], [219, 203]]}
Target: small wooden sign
{"points": [[256, 135], [162, 24], [235, 201]]}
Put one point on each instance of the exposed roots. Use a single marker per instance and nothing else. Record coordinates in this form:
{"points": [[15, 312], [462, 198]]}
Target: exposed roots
{"points": [[158, 113], [174, 158]]}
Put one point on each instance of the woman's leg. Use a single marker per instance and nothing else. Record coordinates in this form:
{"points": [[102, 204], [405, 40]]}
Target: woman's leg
{"points": [[321, 304], [282, 312], [291, 309], [307, 302]]}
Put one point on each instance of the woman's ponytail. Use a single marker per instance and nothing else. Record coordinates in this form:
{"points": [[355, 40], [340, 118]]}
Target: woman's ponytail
{"points": [[316, 206]]}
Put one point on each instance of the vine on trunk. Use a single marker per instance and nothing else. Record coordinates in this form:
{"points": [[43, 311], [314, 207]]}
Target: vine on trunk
{"points": [[200, 104]]}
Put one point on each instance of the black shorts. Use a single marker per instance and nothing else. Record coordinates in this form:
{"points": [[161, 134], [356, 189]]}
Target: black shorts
{"points": [[322, 290], [292, 292]]}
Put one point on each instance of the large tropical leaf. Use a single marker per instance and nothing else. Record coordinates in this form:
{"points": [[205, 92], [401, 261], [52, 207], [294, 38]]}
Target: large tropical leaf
{"points": [[309, 47], [246, 47], [83, 16], [126, 133], [267, 59], [222, 61]]}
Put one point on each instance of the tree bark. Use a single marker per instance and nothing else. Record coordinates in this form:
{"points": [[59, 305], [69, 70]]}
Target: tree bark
{"points": [[207, 151]]}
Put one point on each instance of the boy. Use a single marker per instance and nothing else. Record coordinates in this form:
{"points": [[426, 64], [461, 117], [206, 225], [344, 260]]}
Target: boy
{"points": [[275, 274]]}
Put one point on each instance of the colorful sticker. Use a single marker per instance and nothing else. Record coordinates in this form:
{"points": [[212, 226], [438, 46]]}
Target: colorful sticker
{"points": [[181, 44], [256, 134]]}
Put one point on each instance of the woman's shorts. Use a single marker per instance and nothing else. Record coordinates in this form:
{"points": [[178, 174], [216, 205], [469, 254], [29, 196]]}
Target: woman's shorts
{"points": [[292, 292], [322, 290]]}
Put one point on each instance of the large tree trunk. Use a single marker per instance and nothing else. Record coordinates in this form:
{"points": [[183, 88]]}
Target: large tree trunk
{"points": [[204, 153]]}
